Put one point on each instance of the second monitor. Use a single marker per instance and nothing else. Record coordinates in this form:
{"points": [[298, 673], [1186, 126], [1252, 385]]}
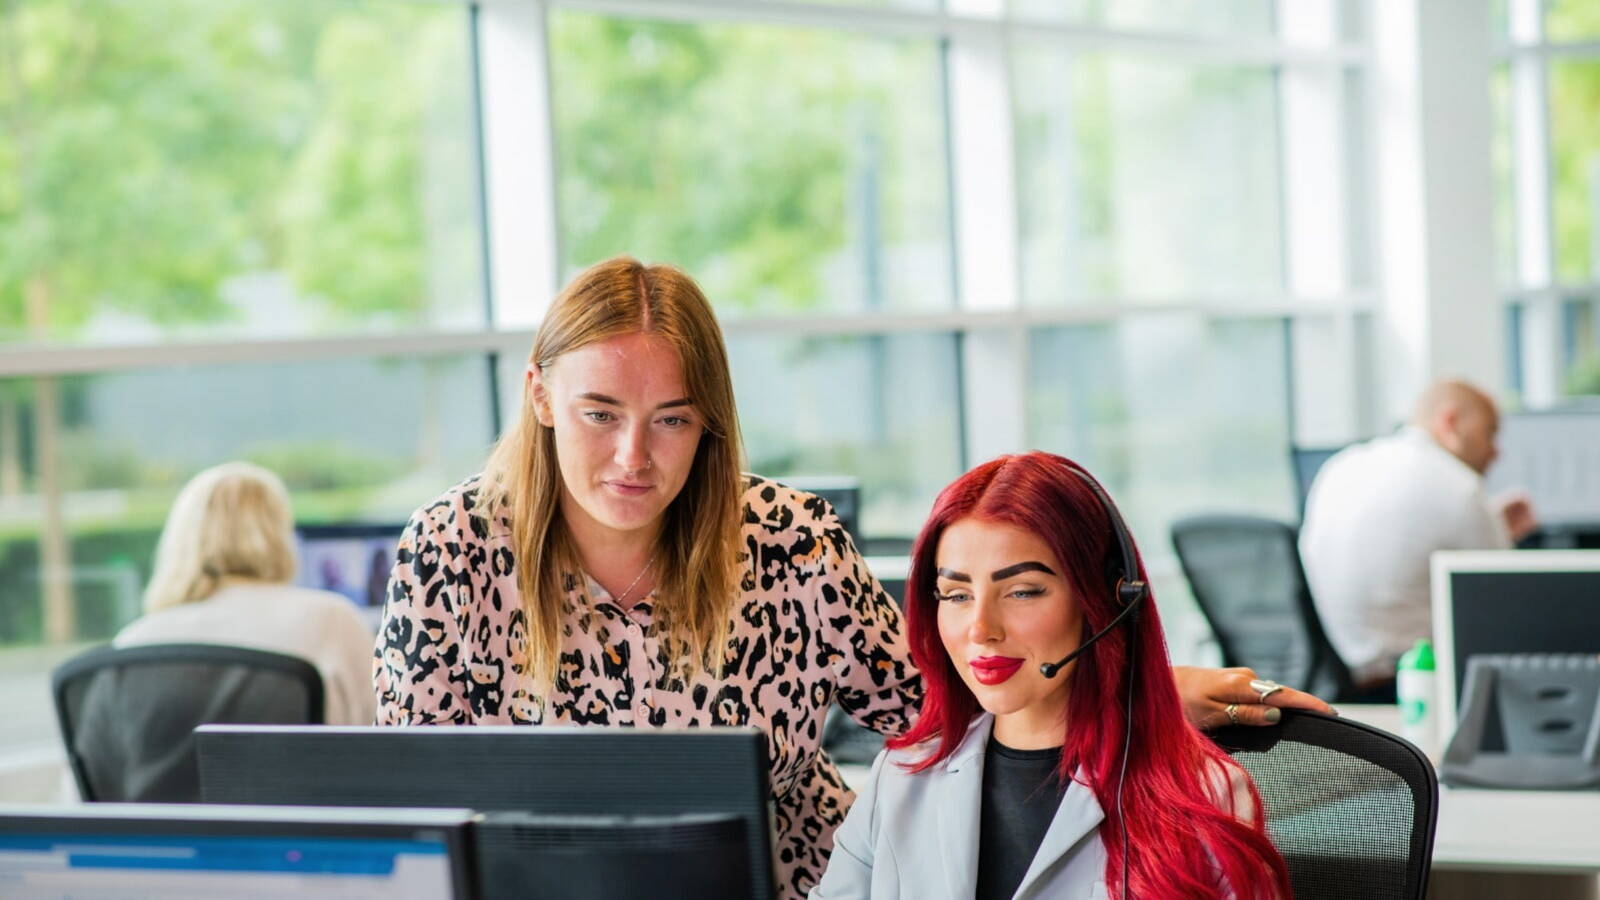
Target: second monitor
{"points": [[637, 780], [1510, 601], [353, 560]]}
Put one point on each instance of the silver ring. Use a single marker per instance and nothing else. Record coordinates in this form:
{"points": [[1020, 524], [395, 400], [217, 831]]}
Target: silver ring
{"points": [[1265, 687], [1232, 709]]}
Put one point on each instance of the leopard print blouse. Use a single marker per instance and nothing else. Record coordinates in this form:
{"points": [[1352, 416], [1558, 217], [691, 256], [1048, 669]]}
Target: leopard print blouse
{"points": [[812, 627]]}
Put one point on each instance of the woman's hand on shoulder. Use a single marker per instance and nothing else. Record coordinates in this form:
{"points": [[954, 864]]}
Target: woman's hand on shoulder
{"points": [[1207, 694]]}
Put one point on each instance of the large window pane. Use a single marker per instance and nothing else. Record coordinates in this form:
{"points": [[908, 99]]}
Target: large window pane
{"points": [[1581, 337], [1572, 20], [364, 441], [883, 409], [1575, 151], [786, 169], [233, 167], [1178, 415], [1145, 179], [360, 440]]}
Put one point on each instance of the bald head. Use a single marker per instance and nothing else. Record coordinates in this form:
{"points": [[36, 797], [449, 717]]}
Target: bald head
{"points": [[1462, 419]]}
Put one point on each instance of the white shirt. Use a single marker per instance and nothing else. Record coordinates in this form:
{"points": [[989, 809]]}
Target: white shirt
{"points": [[320, 627], [1375, 514]]}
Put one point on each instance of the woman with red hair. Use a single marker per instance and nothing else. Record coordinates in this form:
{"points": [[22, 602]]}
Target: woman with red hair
{"points": [[1051, 757]]}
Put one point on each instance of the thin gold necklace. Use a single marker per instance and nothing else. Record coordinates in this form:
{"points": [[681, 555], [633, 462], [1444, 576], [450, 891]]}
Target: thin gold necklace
{"points": [[629, 589]]}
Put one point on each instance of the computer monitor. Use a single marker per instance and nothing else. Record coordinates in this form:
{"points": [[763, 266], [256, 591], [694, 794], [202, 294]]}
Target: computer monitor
{"points": [[521, 856], [841, 492], [1307, 462], [1509, 601], [353, 560], [547, 771], [112, 851], [1554, 455]]}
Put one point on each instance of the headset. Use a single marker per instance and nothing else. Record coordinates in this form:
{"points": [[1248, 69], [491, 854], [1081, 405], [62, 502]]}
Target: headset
{"points": [[1131, 592]]}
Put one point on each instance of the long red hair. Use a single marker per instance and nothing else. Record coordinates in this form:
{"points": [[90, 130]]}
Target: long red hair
{"points": [[1181, 843]]}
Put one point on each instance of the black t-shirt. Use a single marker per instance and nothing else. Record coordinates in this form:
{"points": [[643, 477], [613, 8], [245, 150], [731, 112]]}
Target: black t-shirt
{"points": [[1020, 796]]}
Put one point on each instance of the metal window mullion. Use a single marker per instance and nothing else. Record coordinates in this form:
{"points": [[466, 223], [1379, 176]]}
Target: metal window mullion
{"points": [[1530, 153], [1557, 289], [45, 361], [1321, 235], [983, 157], [519, 161], [22, 361], [1544, 50], [910, 23], [1540, 335]]}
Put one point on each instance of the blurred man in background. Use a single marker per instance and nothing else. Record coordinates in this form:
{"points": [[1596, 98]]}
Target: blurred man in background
{"points": [[1379, 509]]}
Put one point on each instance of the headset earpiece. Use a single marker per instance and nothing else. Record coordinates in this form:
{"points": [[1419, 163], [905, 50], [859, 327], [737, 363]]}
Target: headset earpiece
{"points": [[1131, 592]]}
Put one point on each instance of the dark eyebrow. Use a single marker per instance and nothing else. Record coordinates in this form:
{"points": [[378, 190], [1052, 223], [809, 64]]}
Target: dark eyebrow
{"points": [[954, 575], [612, 401], [1019, 568]]}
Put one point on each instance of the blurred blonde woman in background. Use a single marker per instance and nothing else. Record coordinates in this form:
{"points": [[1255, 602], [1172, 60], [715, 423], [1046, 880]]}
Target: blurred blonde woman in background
{"points": [[222, 576]]}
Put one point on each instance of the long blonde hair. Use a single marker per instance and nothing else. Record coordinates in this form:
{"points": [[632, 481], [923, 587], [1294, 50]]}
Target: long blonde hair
{"points": [[698, 551], [230, 521]]}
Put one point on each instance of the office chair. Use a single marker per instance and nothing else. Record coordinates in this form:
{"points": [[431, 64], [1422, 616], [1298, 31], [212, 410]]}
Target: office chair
{"points": [[847, 741], [1246, 577], [1352, 808], [127, 714], [1306, 462]]}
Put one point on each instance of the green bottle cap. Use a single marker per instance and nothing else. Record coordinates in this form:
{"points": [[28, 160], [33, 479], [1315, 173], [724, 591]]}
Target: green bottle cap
{"points": [[1420, 656]]}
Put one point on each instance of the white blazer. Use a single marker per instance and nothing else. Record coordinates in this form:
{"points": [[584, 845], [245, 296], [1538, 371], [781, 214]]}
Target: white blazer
{"points": [[915, 837]]}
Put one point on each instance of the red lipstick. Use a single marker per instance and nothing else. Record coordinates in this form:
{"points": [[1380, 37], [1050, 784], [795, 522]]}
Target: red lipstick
{"points": [[994, 669]]}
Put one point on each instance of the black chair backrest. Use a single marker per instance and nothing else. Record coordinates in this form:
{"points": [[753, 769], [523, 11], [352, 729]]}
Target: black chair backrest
{"points": [[1307, 462], [1246, 577], [1352, 808], [127, 715]]}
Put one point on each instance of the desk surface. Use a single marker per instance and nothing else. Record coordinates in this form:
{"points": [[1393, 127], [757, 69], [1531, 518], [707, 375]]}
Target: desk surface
{"points": [[1503, 831], [1542, 831]]}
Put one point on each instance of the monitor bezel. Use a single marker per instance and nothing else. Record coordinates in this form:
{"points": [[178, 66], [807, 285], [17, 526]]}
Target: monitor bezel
{"points": [[179, 820], [1444, 564], [215, 746]]}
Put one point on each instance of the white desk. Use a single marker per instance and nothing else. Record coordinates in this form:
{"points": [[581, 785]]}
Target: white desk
{"points": [[1556, 832]]}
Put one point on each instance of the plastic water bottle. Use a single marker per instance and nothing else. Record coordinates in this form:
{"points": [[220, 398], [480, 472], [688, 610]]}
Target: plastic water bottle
{"points": [[1414, 687]]}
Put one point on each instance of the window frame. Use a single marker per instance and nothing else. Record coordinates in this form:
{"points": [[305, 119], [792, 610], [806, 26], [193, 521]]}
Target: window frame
{"points": [[1534, 295]]}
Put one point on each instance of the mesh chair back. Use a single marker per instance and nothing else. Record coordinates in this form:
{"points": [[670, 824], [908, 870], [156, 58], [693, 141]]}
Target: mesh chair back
{"points": [[1351, 808], [1246, 577], [127, 715]]}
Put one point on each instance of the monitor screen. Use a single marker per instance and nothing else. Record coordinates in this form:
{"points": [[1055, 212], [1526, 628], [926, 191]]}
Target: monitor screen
{"points": [[1510, 601], [353, 561], [551, 771], [1307, 462], [842, 493], [113, 851], [1555, 457]]}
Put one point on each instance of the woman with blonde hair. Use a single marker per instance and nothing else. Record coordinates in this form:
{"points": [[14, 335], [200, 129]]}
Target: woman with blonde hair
{"points": [[613, 566], [221, 576]]}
